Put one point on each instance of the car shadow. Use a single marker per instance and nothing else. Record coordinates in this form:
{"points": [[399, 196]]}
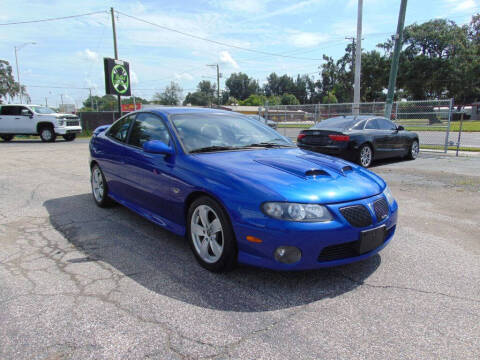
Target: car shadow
{"points": [[163, 263]]}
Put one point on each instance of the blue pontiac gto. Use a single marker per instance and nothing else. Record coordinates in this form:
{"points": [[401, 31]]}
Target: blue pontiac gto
{"points": [[239, 191]]}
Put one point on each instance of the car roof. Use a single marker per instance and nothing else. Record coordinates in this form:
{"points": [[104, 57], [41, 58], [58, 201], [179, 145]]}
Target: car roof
{"points": [[19, 105], [358, 117], [188, 110]]}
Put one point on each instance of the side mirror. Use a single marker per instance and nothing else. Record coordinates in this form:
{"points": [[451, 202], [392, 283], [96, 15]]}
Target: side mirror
{"points": [[157, 147], [26, 112], [400, 128]]}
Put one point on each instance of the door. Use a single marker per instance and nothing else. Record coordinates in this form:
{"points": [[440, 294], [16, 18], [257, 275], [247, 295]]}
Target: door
{"points": [[149, 175], [7, 119], [111, 155], [393, 144], [25, 121]]}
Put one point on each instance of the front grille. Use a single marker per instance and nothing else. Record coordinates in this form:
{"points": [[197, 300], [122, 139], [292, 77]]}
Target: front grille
{"points": [[337, 252], [357, 215], [72, 123], [381, 209], [345, 250]]}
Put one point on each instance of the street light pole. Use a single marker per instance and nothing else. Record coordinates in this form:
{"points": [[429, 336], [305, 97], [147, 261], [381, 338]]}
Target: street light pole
{"points": [[358, 61], [218, 83], [16, 48]]}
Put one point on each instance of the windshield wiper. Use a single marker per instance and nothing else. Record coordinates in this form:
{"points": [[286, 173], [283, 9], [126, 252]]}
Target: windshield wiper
{"points": [[213, 148], [268, 145]]}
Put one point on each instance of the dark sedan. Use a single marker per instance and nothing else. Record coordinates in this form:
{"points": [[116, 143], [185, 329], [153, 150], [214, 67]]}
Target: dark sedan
{"points": [[361, 139]]}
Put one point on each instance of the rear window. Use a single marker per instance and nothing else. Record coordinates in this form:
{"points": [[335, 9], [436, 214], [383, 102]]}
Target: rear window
{"points": [[10, 110], [336, 123]]}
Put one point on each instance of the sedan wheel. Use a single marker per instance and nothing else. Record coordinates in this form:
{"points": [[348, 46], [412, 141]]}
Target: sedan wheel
{"points": [[414, 149], [211, 236], [99, 187], [365, 156]]}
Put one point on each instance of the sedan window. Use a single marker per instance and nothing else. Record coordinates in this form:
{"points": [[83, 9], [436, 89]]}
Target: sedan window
{"points": [[385, 124], [119, 130], [372, 125], [148, 127], [359, 125]]}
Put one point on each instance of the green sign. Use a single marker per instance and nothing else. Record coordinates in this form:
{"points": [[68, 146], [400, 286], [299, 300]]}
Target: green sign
{"points": [[117, 77]]}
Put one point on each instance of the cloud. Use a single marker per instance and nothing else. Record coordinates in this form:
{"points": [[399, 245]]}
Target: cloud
{"points": [[243, 6], [226, 58], [183, 76], [89, 55], [307, 39], [460, 5]]}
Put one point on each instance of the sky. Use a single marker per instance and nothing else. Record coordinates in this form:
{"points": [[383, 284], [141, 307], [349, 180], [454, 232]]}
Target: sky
{"points": [[67, 56]]}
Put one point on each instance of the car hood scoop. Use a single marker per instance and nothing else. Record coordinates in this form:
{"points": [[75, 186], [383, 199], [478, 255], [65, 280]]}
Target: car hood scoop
{"points": [[302, 169]]}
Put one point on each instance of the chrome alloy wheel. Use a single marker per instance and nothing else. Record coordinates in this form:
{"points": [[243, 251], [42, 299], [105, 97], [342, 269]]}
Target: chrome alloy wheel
{"points": [[366, 156], [98, 186], [414, 149], [207, 234]]}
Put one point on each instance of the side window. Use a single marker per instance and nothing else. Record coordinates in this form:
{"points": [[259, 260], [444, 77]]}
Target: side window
{"points": [[25, 111], [119, 130], [8, 110], [386, 125], [372, 124], [148, 127], [359, 125]]}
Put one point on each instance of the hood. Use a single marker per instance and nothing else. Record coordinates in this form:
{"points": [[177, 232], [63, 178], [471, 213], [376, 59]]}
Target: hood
{"points": [[295, 175]]}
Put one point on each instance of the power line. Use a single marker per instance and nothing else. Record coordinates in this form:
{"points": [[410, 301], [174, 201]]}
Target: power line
{"points": [[53, 19], [214, 41]]}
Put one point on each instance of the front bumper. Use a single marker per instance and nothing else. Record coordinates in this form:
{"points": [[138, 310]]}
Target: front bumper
{"points": [[63, 130], [310, 238]]}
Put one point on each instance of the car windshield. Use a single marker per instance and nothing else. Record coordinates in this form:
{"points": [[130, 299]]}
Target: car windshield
{"points": [[215, 132], [339, 122], [42, 110]]}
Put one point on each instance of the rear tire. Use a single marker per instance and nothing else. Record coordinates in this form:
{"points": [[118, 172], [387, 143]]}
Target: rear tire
{"points": [[365, 156], [99, 187], [413, 150], [47, 134], [69, 137], [7, 138], [211, 236]]}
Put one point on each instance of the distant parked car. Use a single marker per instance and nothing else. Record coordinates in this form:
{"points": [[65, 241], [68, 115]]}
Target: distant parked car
{"points": [[268, 122], [37, 120], [361, 139]]}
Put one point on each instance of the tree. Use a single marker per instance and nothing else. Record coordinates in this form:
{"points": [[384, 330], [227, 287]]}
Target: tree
{"points": [[204, 96], [138, 100], [104, 103], [240, 86], [8, 86], [289, 99], [170, 96], [330, 98]]}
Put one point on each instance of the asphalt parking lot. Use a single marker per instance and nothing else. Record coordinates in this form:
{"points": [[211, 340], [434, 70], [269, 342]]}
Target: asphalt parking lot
{"points": [[80, 282]]}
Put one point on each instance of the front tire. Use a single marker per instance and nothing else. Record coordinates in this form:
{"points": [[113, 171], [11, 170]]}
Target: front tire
{"points": [[211, 236], [47, 134], [69, 137], [365, 156], [413, 150], [99, 187], [7, 138]]}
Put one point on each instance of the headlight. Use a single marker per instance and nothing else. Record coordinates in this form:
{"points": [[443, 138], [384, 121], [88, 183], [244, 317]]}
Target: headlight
{"points": [[297, 212], [389, 196], [61, 122]]}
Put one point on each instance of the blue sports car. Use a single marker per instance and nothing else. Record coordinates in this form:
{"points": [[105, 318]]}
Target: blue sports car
{"points": [[239, 191]]}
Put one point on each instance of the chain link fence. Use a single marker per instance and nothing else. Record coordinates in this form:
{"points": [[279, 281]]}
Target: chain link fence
{"points": [[431, 119]]}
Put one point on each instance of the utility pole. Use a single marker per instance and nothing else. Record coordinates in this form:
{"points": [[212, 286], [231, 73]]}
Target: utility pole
{"points": [[395, 58], [91, 99], [46, 102], [115, 49], [358, 61], [16, 48], [218, 83], [61, 97]]}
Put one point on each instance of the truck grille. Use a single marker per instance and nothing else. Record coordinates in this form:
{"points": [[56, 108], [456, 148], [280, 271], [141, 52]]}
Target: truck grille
{"points": [[357, 215], [72, 123], [381, 209]]}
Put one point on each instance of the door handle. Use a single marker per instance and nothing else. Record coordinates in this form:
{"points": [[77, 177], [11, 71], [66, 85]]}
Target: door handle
{"points": [[17, 118]]}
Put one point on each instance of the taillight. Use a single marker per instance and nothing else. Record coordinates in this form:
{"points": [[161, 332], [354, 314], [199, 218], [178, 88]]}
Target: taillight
{"points": [[339, 137], [300, 137]]}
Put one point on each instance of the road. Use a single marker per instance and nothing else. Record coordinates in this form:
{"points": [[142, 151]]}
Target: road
{"points": [[468, 139], [80, 282]]}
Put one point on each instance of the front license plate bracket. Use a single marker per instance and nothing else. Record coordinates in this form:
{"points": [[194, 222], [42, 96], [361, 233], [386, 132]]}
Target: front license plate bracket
{"points": [[371, 239]]}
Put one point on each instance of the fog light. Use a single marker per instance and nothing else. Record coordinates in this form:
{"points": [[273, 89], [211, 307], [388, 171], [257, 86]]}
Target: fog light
{"points": [[288, 254]]}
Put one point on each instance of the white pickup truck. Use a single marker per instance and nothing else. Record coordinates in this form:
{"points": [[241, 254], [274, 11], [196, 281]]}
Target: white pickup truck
{"points": [[37, 120]]}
